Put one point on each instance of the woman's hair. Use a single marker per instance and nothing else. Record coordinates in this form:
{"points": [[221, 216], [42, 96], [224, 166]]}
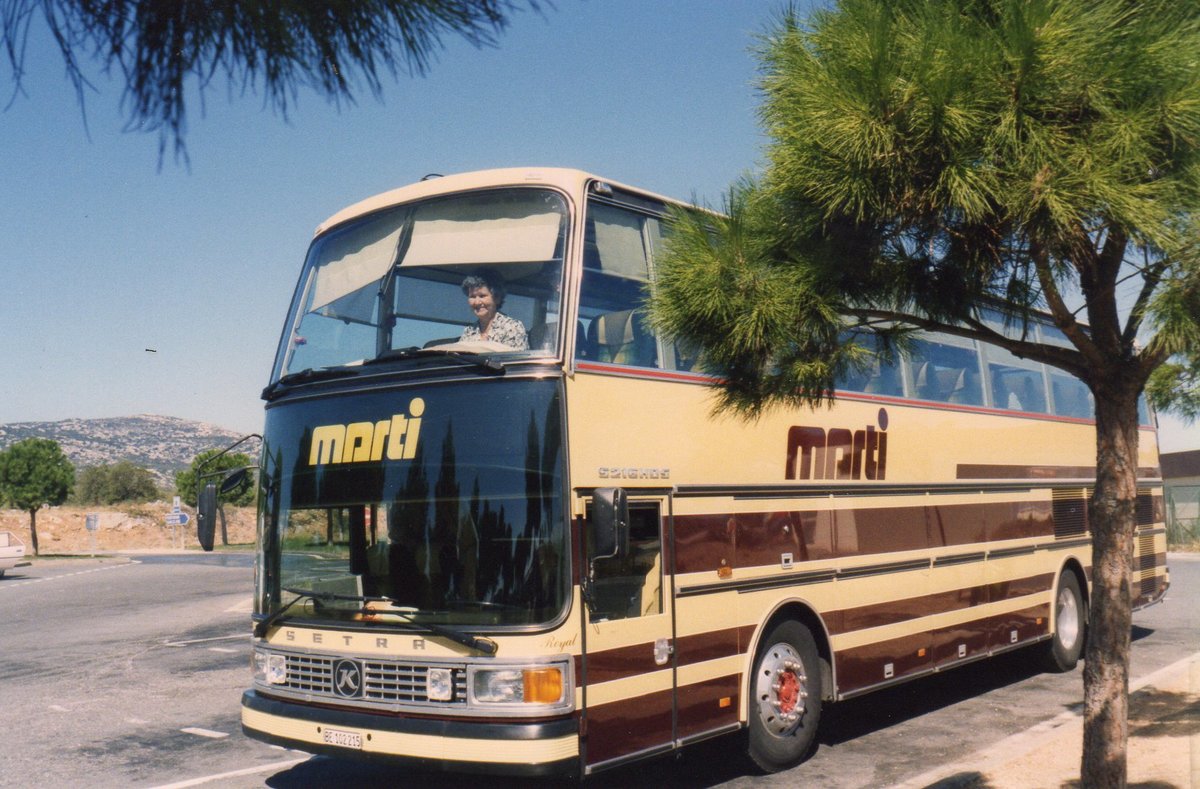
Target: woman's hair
{"points": [[486, 278]]}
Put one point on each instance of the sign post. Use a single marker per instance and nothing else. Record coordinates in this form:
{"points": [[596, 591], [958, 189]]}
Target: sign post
{"points": [[175, 519], [92, 522]]}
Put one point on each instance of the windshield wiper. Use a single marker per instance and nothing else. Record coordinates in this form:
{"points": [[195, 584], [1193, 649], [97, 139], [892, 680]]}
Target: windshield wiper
{"points": [[485, 645], [263, 625], [485, 363], [307, 375]]}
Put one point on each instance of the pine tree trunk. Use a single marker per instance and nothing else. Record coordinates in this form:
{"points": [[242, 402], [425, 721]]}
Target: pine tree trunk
{"points": [[1113, 520], [33, 530]]}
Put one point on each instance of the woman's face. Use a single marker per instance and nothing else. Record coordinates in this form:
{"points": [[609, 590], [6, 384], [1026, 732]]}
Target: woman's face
{"points": [[483, 304]]}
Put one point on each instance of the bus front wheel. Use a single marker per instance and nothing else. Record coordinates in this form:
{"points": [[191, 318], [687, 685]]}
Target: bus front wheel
{"points": [[785, 701], [1070, 625]]}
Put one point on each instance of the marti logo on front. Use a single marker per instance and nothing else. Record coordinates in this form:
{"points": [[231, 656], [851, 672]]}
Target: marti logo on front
{"points": [[839, 453], [357, 442]]}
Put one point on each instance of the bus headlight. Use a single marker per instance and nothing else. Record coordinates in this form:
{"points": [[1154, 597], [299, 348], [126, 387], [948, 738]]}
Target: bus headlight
{"points": [[270, 668], [517, 685]]}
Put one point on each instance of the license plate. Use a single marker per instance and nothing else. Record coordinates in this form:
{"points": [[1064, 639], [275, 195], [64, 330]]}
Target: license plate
{"points": [[345, 739]]}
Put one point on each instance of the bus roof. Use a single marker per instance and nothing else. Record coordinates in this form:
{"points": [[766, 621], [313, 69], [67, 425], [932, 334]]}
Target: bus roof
{"points": [[569, 180]]}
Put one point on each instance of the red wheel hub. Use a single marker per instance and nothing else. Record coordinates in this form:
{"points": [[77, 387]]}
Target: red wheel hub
{"points": [[789, 691]]}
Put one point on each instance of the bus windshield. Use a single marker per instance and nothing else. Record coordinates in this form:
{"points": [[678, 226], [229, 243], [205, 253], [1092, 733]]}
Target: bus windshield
{"points": [[400, 279], [456, 520]]}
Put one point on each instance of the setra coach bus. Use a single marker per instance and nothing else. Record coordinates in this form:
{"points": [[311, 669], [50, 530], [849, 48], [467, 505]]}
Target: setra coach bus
{"points": [[501, 530]]}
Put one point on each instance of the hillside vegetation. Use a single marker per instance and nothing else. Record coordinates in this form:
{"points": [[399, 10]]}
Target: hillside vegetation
{"points": [[162, 444]]}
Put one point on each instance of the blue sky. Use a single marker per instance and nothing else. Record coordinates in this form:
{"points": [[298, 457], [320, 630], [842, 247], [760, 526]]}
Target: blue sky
{"points": [[106, 254]]}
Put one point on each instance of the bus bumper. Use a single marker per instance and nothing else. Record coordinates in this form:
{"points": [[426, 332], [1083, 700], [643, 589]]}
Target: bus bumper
{"points": [[527, 749]]}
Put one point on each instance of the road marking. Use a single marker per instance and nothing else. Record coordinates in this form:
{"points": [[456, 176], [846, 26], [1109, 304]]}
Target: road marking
{"points": [[262, 768], [191, 641], [59, 708], [223, 649], [244, 607], [27, 582], [1017, 745], [213, 735]]}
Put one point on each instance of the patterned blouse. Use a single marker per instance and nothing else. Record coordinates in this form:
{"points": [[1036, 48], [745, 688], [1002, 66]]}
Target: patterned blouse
{"points": [[504, 330]]}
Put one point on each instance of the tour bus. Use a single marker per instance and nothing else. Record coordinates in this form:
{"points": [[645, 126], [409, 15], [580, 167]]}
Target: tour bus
{"points": [[501, 528]]}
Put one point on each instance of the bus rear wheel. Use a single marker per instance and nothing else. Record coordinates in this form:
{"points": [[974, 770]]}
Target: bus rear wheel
{"points": [[785, 701], [1070, 625]]}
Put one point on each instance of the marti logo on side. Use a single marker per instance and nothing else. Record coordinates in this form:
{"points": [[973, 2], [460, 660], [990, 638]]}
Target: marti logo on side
{"points": [[838, 453]]}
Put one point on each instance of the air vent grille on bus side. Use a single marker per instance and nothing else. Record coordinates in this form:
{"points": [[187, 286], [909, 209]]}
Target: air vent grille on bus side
{"points": [[1145, 507], [1070, 512], [1145, 563]]}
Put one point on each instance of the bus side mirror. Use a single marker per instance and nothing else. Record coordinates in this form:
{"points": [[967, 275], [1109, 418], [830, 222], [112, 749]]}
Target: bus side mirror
{"points": [[234, 479], [609, 523], [206, 516]]}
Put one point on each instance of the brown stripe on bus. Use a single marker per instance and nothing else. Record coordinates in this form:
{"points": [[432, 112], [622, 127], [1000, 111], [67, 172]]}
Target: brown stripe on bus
{"points": [[631, 661], [708, 705], [623, 662], [864, 667], [895, 611], [700, 647], [999, 471], [628, 725], [709, 542]]}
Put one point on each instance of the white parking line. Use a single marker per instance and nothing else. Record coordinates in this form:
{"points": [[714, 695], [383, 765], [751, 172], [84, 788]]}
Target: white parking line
{"points": [[262, 768], [27, 582], [214, 735], [191, 641]]}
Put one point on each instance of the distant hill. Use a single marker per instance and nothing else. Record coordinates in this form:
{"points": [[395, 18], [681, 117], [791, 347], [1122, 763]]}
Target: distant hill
{"points": [[163, 444]]}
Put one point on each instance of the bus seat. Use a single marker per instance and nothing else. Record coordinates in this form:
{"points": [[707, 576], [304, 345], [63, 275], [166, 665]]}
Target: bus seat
{"points": [[935, 384], [1005, 391], [1031, 395], [924, 381], [947, 380], [584, 349], [542, 336], [621, 338], [965, 389]]}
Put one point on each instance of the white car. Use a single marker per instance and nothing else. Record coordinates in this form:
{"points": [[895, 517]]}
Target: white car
{"points": [[12, 551]]}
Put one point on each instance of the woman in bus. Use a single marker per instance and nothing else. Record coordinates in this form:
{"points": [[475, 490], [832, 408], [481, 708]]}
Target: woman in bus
{"points": [[485, 297]]}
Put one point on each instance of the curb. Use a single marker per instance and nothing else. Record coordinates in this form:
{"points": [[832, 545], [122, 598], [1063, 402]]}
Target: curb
{"points": [[972, 771]]}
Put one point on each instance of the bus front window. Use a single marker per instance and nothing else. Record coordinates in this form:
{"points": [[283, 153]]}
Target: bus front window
{"points": [[462, 525], [395, 279]]}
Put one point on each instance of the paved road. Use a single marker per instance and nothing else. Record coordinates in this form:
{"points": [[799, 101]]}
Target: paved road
{"points": [[118, 673]]}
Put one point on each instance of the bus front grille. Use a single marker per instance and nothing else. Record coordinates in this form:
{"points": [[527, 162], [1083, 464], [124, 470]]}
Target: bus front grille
{"points": [[386, 684]]}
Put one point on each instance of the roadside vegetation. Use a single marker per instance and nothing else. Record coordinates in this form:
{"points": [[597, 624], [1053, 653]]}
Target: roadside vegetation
{"points": [[115, 483]]}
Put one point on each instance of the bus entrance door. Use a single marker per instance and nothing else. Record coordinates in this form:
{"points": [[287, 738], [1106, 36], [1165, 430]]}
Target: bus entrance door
{"points": [[628, 661]]}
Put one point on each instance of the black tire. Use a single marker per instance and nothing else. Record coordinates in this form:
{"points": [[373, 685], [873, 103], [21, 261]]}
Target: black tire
{"points": [[785, 698], [1065, 647]]}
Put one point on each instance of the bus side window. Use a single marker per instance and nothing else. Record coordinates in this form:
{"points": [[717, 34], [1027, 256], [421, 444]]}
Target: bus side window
{"points": [[613, 324], [631, 586], [1071, 396], [877, 377], [945, 373]]}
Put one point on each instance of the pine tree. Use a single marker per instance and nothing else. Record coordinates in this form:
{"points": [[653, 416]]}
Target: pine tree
{"points": [[934, 162], [35, 473], [169, 52]]}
